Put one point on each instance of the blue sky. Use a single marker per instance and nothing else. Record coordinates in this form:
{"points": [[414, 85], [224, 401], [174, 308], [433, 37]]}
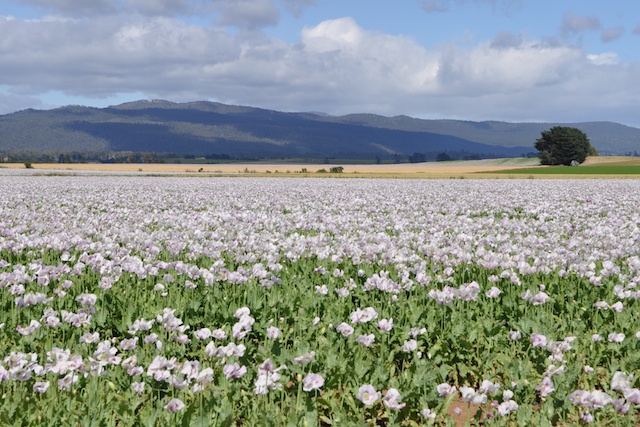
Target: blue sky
{"points": [[508, 60]]}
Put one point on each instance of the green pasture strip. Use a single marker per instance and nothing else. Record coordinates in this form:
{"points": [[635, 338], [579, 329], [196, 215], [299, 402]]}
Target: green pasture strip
{"points": [[578, 170]]}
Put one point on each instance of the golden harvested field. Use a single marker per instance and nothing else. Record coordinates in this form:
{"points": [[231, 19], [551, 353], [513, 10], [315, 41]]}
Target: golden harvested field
{"points": [[454, 169], [427, 169]]}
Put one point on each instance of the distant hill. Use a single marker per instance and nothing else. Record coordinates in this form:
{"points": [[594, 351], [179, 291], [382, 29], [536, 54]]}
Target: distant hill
{"points": [[202, 128]]}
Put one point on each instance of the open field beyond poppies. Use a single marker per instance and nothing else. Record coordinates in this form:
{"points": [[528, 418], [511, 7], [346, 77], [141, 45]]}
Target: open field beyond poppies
{"points": [[409, 170], [144, 301], [594, 167]]}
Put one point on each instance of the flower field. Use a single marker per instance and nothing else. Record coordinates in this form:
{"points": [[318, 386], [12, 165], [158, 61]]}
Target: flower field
{"points": [[143, 301]]}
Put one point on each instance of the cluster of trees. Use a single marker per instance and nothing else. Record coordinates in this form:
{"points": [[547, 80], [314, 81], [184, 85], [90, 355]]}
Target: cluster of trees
{"points": [[562, 145]]}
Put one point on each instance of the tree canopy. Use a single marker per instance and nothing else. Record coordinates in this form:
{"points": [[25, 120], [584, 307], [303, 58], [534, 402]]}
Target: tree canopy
{"points": [[563, 145]]}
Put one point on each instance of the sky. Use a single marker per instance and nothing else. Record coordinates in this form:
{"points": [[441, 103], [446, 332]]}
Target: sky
{"points": [[507, 60]]}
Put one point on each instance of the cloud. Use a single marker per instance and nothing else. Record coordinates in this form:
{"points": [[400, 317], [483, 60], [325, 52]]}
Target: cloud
{"points": [[506, 39], [249, 14], [337, 66], [607, 58], [575, 24], [636, 30], [10, 102], [76, 7], [162, 7], [611, 34], [296, 7], [431, 6], [244, 14], [435, 6]]}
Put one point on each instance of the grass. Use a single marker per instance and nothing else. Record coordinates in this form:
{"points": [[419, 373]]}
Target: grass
{"points": [[592, 167], [580, 170]]}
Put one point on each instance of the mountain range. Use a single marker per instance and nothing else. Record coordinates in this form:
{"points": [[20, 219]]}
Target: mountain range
{"points": [[209, 128]]}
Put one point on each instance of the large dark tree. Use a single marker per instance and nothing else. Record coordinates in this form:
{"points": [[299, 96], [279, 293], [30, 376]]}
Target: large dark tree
{"points": [[562, 145]]}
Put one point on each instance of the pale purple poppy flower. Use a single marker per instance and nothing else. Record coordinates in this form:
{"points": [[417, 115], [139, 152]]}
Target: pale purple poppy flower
{"points": [[88, 300], [445, 389], [539, 298], [467, 393], [409, 346], [174, 405], [545, 387], [385, 324], [342, 292], [618, 307], [366, 340], [203, 379], [507, 407], [621, 381], [64, 383], [493, 292], [34, 325], [598, 399], [202, 334], [415, 332], [305, 359], [587, 369], [135, 371], [40, 386], [129, 343], [515, 335], [344, 329], [219, 334], [242, 311], [322, 290], [618, 338], [312, 382], [427, 414], [138, 387], [632, 395], [273, 332], [596, 338], [488, 387], [621, 406], [90, 338], [478, 399], [579, 397], [392, 400], [234, 371], [587, 417], [364, 315], [553, 370], [268, 377], [538, 340], [181, 338], [367, 394]]}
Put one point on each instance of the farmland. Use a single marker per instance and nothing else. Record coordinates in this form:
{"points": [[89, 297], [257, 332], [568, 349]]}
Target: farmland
{"points": [[621, 167], [250, 301]]}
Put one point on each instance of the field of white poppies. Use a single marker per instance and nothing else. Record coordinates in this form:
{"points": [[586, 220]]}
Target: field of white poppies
{"points": [[144, 301]]}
